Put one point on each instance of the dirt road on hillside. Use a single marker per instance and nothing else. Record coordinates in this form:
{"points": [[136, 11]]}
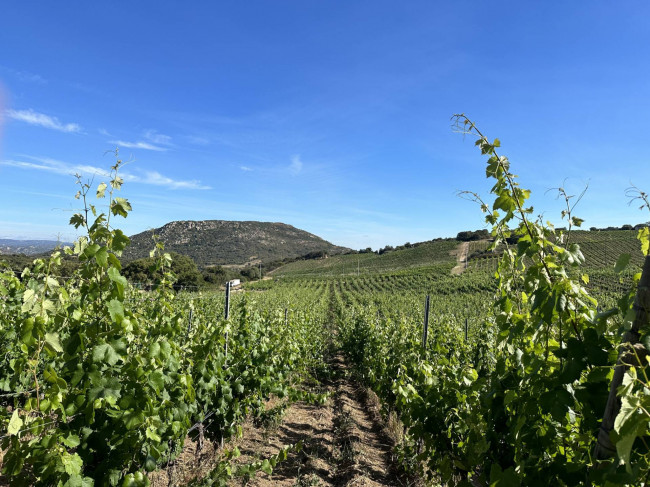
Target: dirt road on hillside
{"points": [[461, 258]]}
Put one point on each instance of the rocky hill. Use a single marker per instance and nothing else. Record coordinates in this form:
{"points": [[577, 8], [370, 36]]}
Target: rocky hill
{"points": [[221, 242]]}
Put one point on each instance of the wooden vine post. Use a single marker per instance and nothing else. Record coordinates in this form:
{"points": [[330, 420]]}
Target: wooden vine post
{"points": [[604, 447], [425, 331], [466, 329], [226, 316], [227, 313]]}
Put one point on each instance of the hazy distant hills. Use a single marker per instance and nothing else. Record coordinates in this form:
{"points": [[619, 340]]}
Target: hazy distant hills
{"points": [[28, 247], [221, 242]]}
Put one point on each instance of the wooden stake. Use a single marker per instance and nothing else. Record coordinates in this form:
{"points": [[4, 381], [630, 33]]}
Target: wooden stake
{"points": [[604, 447], [227, 313], [425, 332]]}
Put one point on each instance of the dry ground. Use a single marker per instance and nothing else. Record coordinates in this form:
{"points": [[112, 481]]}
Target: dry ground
{"points": [[461, 258], [344, 442]]}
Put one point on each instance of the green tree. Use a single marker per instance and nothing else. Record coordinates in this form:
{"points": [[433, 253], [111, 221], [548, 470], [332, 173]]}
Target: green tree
{"points": [[143, 271]]}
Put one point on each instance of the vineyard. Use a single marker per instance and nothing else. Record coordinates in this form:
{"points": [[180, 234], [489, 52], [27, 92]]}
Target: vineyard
{"points": [[532, 368], [423, 258]]}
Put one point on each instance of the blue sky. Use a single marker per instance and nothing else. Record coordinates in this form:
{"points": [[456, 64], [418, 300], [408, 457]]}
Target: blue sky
{"points": [[330, 116]]}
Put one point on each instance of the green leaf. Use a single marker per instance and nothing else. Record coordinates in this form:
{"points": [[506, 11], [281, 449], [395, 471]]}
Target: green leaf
{"points": [[644, 238], [624, 448], [71, 441], [52, 341], [71, 463], [505, 203], [77, 220], [119, 280], [121, 207], [91, 250], [117, 182], [152, 434], [150, 464], [266, 467], [14, 424], [157, 380], [135, 480], [29, 299], [106, 388], [622, 262], [120, 241], [106, 353], [101, 190], [116, 310], [132, 419], [503, 478], [101, 257], [79, 481], [577, 221]]}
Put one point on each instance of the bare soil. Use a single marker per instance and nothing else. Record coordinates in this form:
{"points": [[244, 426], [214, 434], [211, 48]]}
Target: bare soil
{"points": [[344, 442], [461, 258]]}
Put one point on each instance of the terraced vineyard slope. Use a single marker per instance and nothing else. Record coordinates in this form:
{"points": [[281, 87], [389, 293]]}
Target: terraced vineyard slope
{"points": [[429, 255]]}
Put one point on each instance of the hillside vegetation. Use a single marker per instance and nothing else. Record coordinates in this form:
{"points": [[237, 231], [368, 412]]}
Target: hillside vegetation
{"points": [[221, 242], [434, 254], [601, 249]]}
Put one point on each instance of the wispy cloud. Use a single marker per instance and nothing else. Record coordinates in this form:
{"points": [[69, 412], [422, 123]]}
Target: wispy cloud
{"points": [[245, 168], [30, 77], [153, 141], [156, 138], [25, 75], [296, 165], [54, 166], [34, 118], [144, 177], [138, 145], [155, 178]]}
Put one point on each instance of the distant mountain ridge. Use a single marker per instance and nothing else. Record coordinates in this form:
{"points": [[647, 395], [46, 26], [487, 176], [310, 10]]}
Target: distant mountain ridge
{"points": [[224, 242], [28, 247]]}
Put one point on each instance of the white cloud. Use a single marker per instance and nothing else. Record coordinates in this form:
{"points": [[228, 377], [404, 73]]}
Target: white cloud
{"points": [[34, 118], [156, 138], [296, 165], [54, 166], [59, 167], [138, 145], [245, 168], [104, 132], [153, 141], [155, 178]]}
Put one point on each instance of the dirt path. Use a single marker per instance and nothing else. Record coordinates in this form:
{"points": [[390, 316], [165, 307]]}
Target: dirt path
{"points": [[343, 442], [461, 258]]}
